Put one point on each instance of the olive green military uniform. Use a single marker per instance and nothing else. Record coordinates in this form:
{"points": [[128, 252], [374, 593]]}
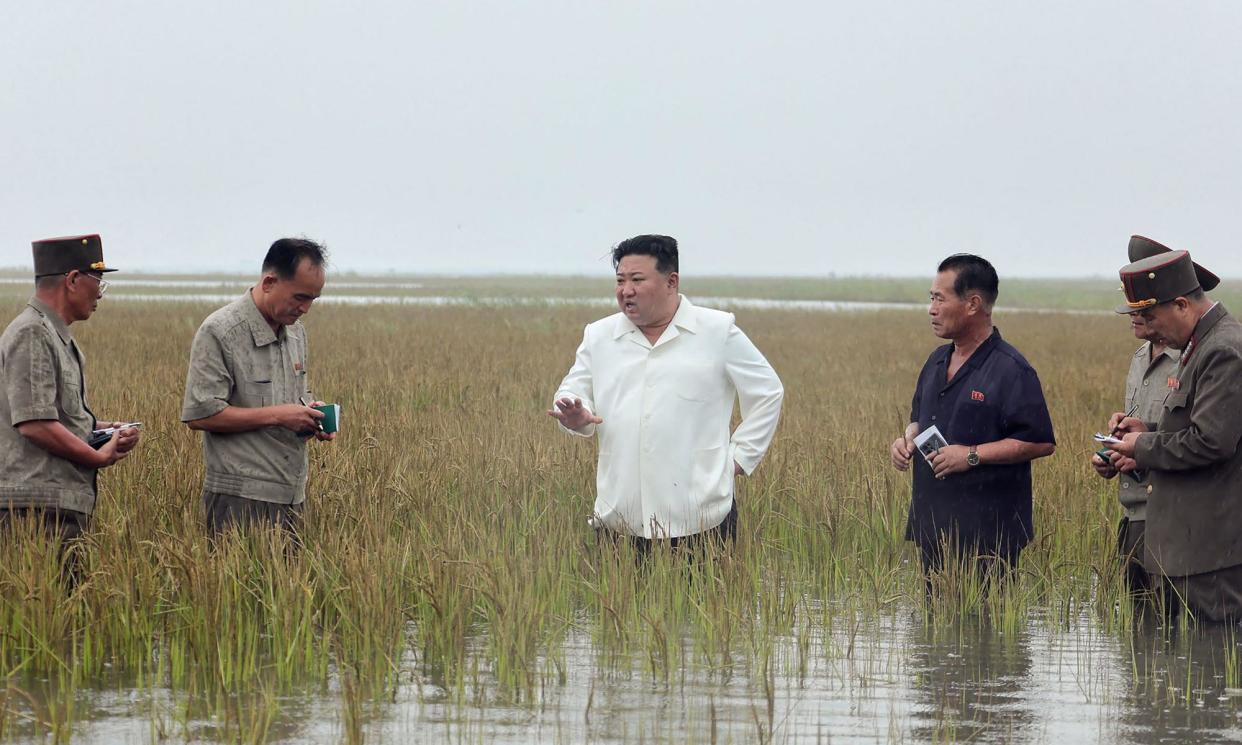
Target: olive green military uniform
{"points": [[237, 360], [1147, 385], [1193, 455]]}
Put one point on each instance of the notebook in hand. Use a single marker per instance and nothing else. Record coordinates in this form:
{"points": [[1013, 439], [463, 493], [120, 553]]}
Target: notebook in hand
{"points": [[331, 421]]}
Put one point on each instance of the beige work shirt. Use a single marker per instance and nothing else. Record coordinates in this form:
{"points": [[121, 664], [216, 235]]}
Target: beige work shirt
{"points": [[1147, 384], [44, 380], [237, 360]]}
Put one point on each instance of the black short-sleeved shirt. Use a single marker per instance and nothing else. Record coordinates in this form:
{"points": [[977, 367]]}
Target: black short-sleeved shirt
{"points": [[994, 396]]}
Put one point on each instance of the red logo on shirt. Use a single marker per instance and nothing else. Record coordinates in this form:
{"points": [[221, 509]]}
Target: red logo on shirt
{"points": [[976, 395], [1174, 383]]}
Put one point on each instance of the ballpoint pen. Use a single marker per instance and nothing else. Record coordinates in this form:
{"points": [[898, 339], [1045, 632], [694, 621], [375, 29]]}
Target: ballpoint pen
{"points": [[1130, 413]]}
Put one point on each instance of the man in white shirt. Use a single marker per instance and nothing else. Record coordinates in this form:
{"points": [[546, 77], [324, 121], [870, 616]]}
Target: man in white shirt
{"points": [[657, 382]]}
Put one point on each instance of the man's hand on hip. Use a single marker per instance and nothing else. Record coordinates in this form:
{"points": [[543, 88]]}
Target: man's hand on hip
{"points": [[572, 414]]}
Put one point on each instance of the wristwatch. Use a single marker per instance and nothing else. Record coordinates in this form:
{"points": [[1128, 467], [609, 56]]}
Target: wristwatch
{"points": [[972, 458]]}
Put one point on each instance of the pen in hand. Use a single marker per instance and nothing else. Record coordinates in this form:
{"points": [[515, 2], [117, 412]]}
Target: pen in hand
{"points": [[1130, 413]]}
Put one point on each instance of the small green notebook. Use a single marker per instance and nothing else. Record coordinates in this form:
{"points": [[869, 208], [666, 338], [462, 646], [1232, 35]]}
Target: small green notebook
{"points": [[331, 421]]}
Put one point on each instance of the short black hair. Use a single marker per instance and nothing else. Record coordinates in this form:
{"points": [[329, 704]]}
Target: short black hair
{"points": [[974, 274], [662, 247], [285, 255]]}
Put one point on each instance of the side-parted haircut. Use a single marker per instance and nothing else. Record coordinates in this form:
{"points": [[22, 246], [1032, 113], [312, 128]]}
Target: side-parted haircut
{"points": [[285, 255], [974, 274], [662, 247]]}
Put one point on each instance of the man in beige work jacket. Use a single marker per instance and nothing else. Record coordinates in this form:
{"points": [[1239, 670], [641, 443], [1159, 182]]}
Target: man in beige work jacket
{"points": [[248, 391], [48, 468]]}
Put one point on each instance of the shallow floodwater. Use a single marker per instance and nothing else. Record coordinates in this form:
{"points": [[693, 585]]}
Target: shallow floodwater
{"points": [[891, 679]]}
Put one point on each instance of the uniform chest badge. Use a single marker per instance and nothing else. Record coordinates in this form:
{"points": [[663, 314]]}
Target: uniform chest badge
{"points": [[297, 367], [1174, 384], [976, 395]]}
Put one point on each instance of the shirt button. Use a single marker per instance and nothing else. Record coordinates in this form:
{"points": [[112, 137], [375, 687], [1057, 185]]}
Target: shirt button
{"points": [[1149, 488], [1145, 382], [933, 418], [1125, 484]]}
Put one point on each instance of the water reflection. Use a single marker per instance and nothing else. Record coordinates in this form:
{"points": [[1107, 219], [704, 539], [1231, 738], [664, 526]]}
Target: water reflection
{"points": [[1184, 686], [893, 678], [971, 684], [123, 709]]}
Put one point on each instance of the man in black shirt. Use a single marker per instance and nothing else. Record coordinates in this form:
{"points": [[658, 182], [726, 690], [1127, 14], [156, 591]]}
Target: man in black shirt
{"points": [[974, 494]]}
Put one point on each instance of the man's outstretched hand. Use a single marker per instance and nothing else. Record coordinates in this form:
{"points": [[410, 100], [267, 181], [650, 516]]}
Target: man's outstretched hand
{"points": [[572, 414]]}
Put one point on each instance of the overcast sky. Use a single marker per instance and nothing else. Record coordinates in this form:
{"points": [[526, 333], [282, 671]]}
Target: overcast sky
{"points": [[769, 138]]}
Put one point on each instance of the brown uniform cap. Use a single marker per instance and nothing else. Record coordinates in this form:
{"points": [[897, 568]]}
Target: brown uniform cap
{"points": [[1157, 279], [1141, 247], [63, 255]]}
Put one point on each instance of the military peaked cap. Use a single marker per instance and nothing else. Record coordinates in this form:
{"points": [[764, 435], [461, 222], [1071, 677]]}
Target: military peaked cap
{"points": [[1141, 247], [62, 255], [1157, 279]]}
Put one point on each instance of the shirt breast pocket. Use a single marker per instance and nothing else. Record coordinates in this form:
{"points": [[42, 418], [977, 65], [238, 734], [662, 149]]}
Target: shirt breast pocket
{"points": [[1176, 400], [71, 394], [973, 423], [697, 382], [253, 394]]}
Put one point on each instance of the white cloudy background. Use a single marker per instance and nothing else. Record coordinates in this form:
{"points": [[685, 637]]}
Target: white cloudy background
{"points": [[770, 138]]}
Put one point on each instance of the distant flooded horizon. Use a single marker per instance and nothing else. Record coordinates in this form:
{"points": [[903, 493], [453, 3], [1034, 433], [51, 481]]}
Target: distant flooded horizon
{"points": [[746, 303], [119, 292], [22, 274]]}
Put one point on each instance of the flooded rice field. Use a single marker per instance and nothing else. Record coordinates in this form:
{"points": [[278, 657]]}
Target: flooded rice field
{"points": [[449, 590], [892, 679]]}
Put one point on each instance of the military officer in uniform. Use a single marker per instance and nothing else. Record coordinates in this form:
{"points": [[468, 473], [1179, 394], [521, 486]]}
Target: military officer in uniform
{"points": [[47, 469], [1193, 453], [1150, 368]]}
